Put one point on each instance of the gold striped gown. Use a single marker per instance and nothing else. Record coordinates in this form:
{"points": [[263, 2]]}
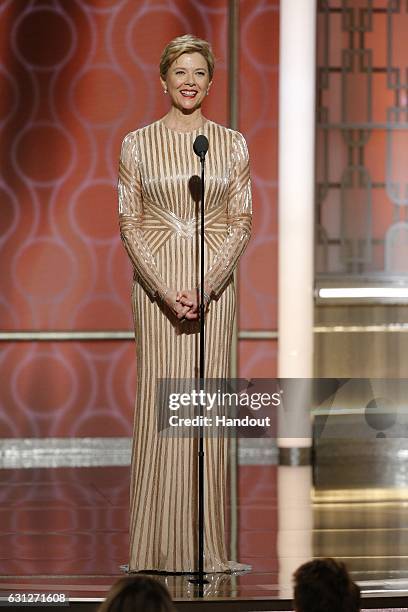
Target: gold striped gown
{"points": [[158, 208]]}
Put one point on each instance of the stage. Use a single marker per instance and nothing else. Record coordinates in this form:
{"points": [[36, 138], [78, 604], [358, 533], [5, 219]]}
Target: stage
{"points": [[64, 529]]}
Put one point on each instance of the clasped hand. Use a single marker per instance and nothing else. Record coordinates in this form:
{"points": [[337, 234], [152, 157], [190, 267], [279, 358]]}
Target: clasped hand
{"points": [[184, 303]]}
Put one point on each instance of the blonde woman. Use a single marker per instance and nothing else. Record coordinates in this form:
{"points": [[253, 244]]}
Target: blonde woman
{"points": [[157, 212]]}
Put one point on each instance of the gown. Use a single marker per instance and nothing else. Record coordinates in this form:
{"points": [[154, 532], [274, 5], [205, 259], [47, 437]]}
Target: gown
{"points": [[158, 190]]}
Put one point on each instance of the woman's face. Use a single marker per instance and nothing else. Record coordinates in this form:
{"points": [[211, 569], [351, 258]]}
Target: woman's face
{"points": [[187, 81]]}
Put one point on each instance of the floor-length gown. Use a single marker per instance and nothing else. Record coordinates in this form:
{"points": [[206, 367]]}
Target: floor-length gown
{"points": [[158, 205]]}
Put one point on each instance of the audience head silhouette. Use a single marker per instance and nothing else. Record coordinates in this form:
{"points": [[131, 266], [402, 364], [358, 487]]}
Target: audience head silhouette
{"points": [[137, 594], [325, 584]]}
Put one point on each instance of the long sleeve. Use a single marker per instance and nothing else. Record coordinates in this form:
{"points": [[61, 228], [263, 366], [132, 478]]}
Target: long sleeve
{"points": [[130, 220], [239, 219]]}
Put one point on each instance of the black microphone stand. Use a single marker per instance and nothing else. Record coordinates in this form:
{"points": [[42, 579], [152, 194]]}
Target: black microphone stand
{"points": [[200, 148]]}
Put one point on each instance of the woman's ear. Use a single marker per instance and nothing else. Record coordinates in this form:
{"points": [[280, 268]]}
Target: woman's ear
{"points": [[163, 84]]}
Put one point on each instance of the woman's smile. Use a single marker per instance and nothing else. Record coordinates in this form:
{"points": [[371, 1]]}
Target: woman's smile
{"points": [[188, 93]]}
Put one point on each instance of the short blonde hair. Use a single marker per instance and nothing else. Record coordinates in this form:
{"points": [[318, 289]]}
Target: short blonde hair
{"points": [[186, 44]]}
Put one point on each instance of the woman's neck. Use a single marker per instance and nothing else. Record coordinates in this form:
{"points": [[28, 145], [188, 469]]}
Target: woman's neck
{"points": [[177, 120]]}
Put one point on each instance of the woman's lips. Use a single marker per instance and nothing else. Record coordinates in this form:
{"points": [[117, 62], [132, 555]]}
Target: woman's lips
{"points": [[186, 93]]}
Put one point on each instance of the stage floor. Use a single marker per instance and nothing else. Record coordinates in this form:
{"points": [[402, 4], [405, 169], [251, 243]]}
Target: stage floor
{"points": [[65, 529]]}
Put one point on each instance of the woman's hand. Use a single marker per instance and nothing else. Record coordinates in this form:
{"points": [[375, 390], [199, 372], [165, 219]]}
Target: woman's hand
{"points": [[180, 309], [191, 298]]}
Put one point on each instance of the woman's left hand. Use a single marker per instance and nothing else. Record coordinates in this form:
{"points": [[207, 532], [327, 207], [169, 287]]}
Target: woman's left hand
{"points": [[190, 297]]}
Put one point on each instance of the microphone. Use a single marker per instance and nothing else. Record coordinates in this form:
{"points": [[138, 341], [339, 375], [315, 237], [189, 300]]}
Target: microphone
{"points": [[200, 146]]}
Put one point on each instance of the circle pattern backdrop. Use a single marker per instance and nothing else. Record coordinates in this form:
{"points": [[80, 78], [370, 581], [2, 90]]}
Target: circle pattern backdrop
{"points": [[75, 78]]}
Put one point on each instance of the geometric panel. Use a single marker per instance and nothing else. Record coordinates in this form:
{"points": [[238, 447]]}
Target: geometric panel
{"points": [[362, 142]]}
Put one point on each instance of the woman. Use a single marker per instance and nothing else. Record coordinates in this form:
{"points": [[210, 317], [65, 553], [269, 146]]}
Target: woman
{"points": [[157, 211]]}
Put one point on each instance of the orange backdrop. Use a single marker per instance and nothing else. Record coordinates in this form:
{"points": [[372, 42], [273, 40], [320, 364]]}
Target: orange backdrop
{"points": [[75, 77]]}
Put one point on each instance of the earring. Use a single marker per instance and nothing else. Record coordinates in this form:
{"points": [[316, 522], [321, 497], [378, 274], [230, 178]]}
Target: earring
{"points": [[165, 91], [207, 92]]}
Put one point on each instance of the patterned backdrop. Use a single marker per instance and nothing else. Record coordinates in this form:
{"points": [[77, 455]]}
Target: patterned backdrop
{"points": [[75, 77], [362, 139]]}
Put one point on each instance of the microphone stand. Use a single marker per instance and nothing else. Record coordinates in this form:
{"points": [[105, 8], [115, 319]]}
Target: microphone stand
{"points": [[202, 364], [200, 581]]}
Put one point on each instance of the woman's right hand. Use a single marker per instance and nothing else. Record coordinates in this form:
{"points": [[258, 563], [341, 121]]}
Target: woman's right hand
{"points": [[179, 309], [191, 297]]}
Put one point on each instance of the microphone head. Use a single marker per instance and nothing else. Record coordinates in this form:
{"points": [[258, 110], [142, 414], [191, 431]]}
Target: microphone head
{"points": [[200, 146]]}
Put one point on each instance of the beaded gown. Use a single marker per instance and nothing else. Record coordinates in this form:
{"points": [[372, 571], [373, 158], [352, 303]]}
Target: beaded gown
{"points": [[158, 208]]}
